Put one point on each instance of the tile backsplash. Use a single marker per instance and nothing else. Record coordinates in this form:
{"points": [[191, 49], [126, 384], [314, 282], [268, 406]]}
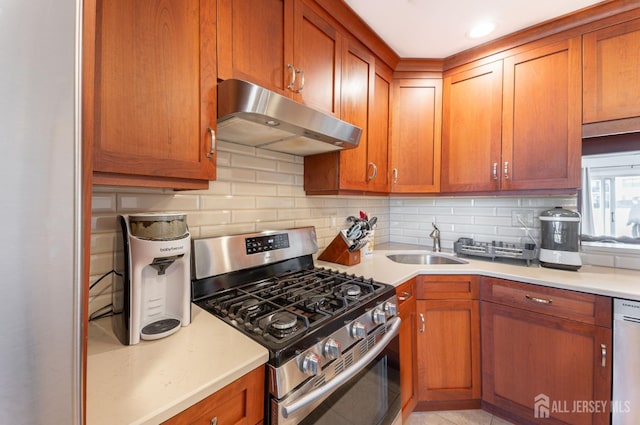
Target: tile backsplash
{"points": [[258, 189], [485, 219]]}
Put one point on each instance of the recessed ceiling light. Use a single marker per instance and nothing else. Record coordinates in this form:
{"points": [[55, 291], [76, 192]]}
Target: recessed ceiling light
{"points": [[481, 29]]}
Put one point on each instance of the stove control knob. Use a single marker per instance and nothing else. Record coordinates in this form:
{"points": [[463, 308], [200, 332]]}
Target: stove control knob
{"points": [[378, 317], [310, 364], [390, 308], [358, 330], [331, 349]]}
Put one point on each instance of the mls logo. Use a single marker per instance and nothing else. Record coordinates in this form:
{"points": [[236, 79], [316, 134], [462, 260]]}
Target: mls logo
{"points": [[541, 406]]}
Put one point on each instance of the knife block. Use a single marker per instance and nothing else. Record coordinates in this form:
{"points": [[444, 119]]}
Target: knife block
{"points": [[338, 252]]}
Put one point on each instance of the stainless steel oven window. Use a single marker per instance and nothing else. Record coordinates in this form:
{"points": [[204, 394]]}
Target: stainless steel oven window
{"points": [[372, 397]]}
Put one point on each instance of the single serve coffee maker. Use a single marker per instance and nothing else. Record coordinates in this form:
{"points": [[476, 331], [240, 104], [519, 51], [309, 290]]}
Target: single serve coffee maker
{"points": [[151, 294]]}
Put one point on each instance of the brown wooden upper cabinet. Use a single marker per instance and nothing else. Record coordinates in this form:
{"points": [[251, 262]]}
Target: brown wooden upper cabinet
{"points": [[611, 86], [514, 124], [416, 135], [283, 45], [472, 129], [365, 97], [150, 92]]}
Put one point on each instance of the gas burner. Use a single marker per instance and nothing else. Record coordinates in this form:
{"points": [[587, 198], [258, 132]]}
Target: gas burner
{"points": [[283, 320], [352, 290], [250, 305]]}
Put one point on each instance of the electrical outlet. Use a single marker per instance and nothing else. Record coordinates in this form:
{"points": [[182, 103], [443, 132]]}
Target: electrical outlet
{"points": [[520, 218]]}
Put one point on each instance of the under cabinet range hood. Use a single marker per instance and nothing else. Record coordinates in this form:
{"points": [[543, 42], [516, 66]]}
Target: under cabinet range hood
{"points": [[252, 115]]}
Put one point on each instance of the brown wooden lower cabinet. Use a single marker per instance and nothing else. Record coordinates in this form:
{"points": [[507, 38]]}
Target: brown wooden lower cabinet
{"points": [[408, 356], [554, 362], [239, 403], [448, 342]]}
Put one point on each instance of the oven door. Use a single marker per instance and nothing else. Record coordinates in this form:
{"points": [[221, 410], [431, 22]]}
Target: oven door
{"points": [[365, 393]]}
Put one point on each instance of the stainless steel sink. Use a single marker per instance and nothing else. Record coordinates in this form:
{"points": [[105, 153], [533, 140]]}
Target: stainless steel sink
{"points": [[425, 259]]}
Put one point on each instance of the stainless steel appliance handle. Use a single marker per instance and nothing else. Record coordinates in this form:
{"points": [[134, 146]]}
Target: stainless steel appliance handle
{"points": [[392, 332], [374, 171], [212, 134], [292, 83]]}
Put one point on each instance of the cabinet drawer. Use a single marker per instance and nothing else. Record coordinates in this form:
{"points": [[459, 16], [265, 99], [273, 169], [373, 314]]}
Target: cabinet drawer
{"points": [[447, 287], [240, 402], [586, 308], [406, 292]]}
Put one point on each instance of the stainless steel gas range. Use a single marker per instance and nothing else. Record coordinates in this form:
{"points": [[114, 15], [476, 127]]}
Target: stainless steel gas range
{"points": [[332, 336]]}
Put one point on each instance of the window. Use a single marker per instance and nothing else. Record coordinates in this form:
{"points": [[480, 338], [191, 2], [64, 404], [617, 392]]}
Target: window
{"points": [[611, 197]]}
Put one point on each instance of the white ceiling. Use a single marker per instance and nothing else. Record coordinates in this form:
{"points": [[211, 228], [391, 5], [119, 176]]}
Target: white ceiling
{"points": [[436, 28]]}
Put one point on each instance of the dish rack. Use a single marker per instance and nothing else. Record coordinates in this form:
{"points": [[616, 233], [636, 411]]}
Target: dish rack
{"points": [[496, 249]]}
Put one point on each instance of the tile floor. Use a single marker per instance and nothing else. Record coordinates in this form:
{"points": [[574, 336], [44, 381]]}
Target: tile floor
{"points": [[455, 417]]}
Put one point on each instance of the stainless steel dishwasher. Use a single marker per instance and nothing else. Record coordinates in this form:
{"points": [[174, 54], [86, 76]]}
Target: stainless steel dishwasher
{"points": [[625, 406]]}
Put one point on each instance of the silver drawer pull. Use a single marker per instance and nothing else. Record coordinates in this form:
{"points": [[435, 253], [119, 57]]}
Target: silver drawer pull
{"points": [[538, 300], [603, 351]]}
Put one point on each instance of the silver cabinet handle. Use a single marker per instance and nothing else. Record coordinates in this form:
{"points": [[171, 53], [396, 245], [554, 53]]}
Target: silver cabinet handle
{"points": [[422, 323], [506, 170], [405, 296], [539, 300], [292, 82], [395, 175], [301, 86], [494, 171], [374, 171], [212, 134], [603, 351], [214, 420]]}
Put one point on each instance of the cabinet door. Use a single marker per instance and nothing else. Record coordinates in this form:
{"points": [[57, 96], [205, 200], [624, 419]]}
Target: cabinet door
{"points": [[317, 54], [153, 92], [255, 42], [541, 133], [378, 150], [530, 356], [408, 353], [416, 129], [241, 402], [472, 132], [357, 83], [449, 350], [611, 85]]}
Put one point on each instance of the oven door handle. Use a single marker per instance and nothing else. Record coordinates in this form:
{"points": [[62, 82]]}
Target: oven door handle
{"points": [[326, 389]]}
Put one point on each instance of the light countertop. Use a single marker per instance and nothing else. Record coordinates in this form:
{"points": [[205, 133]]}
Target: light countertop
{"points": [[152, 381], [621, 283]]}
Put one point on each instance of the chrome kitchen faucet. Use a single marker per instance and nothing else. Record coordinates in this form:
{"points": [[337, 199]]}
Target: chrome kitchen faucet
{"points": [[435, 235]]}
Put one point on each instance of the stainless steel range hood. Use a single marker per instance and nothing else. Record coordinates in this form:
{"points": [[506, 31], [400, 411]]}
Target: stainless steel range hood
{"points": [[252, 115]]}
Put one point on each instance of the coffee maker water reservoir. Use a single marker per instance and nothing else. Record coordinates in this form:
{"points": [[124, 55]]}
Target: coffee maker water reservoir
{"points": [[151, 296]]}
